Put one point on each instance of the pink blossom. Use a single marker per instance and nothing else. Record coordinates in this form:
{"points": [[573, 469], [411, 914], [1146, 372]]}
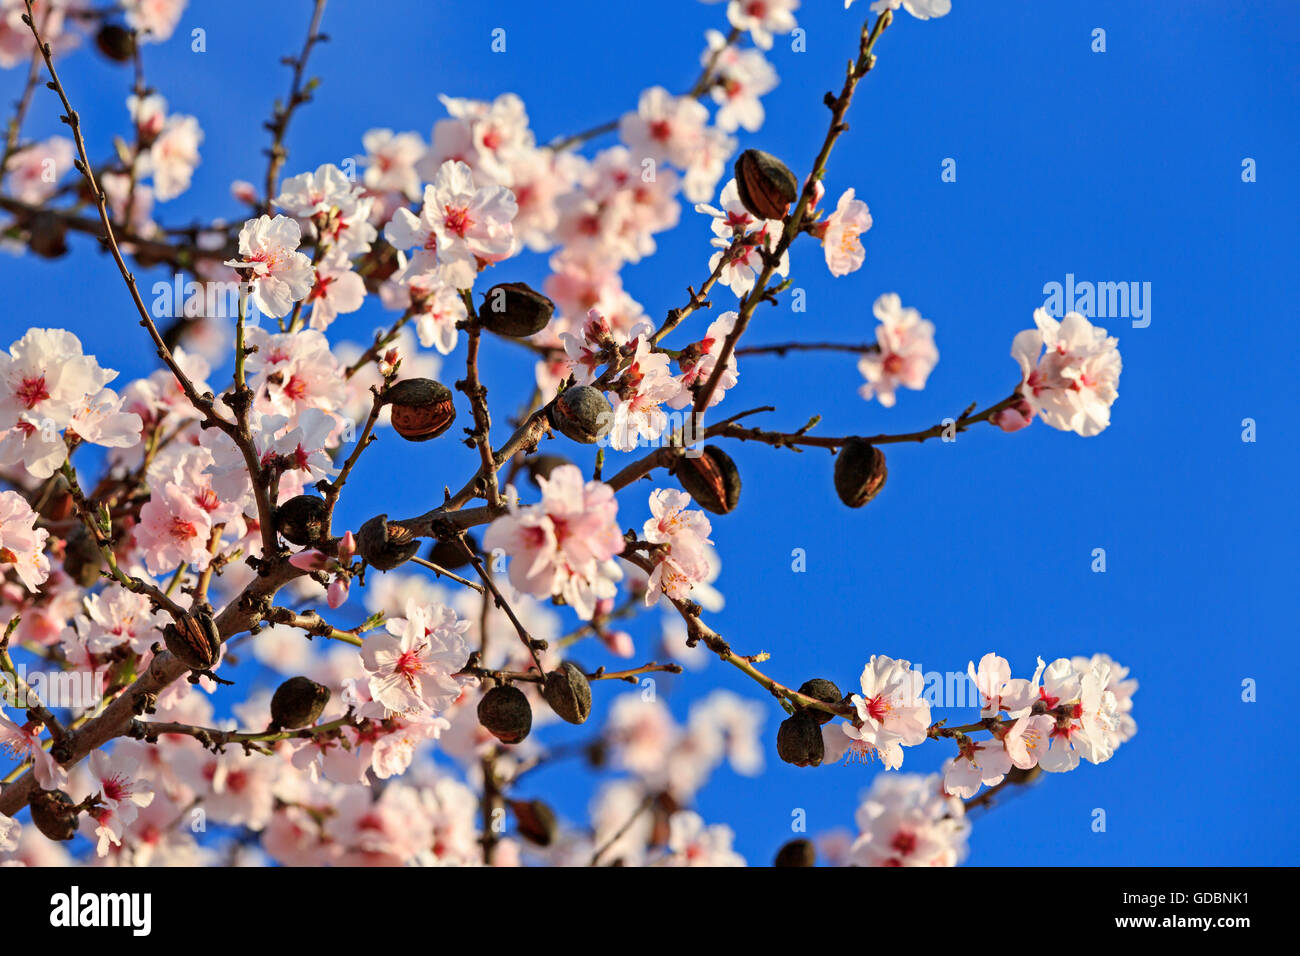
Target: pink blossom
{"points": [[45, 377], [744, 262], [172, 157], [23, 742], [155, 19], [565, 544], [841, 234], [280, 275], [410, 668], [486, 137], [742, 77], [174, 530], [388, 830], [683, 535], [692, 843], [294, 371], [921, 9], [390, 161], [326, 190], [22, 544], [458, 224], [116, 616], [438, 307], [34, 171], [698, 360], [638, 396], [664, 128], [906, 354], [978, 763], [1027, 739], [337, 290], [763, 18], [890, 710], [1075, 379], [116, 781], [907, 820]]}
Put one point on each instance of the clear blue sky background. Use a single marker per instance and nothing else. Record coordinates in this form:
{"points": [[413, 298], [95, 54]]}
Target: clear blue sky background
{"points": [[1119, 166]]}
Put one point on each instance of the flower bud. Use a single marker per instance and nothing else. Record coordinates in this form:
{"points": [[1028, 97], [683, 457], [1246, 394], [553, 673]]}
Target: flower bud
{"points": [[385, 546], [799, 740], [581, 413], [820, 689], [711, 478], [513, 309], [860, 472], [301, 519], [796, 853], [765, 185], [422, 408], [298, 702], [194, 640], [536, 821], [115, 42], [1014, 417], [506, 714], [568, 693], [54, 814]]}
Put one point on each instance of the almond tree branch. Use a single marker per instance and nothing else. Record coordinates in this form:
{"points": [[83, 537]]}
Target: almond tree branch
{"points": [[791, 439], [283, 113], [783, 348], [203, 403], [794, 222], [698, 88]]}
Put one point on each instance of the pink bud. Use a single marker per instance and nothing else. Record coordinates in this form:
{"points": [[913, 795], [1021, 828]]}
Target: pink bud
{"points": [[819, 190], [309, 560], [244, 191], [337, 593], [347, 547], [619, 643], [1015, 417]]}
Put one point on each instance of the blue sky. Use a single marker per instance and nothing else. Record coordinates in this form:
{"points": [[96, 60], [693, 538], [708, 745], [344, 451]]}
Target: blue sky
{"points": [[1117, 166]]}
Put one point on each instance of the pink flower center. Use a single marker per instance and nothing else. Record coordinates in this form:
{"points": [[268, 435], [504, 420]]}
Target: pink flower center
{"points": [[116, 789], [661, 130], [409, 665], [893, 363], [457, 220], [183, 530], [32, 391], [295, 388], [877, 708], [904, 842]]}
